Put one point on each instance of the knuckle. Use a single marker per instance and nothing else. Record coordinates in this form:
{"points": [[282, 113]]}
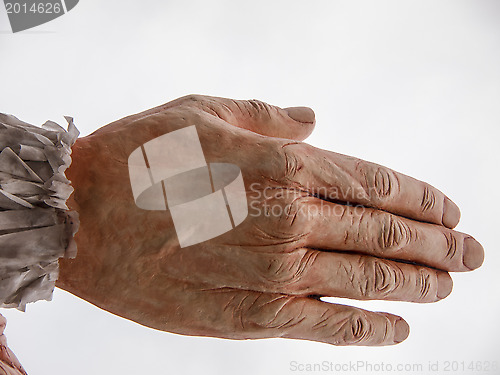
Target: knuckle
{"points": [[284, 215], [451, 247], [297, 211], [286, 272], [283, 163], [260, 107], [355, 328], [292, 162], [379, 278], [256, 109], [380, 183], [393, 234], [359, 329], [423, 283], [428, 201], [206, 104], [269, 312]]}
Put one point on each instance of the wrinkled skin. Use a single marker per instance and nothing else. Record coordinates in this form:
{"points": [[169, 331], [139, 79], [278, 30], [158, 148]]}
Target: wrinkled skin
{"points": [[319, 224]]}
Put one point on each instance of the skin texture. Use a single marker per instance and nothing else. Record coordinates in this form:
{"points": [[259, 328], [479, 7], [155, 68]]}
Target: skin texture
{"points": [[319, 224]]}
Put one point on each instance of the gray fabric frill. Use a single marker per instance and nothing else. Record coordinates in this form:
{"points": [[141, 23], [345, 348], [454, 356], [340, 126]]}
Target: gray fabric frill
{"points": [[36, 226]]}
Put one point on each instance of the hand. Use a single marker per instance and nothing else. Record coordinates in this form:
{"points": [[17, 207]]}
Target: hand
{"points": [[9, 364], [319, 224]]}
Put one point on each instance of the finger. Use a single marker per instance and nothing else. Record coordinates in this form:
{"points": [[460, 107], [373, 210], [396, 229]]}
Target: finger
{"points": [[247, 314], [305, 271], [381, 234], [339, 177], [278, 315], [359, 277], [295, 123]]}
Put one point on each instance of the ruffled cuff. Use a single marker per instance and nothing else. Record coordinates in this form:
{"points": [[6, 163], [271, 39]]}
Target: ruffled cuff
{"points": [[36, 226]]}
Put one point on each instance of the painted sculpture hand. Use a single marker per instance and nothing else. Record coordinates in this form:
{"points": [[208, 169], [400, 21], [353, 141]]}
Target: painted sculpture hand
{"points": [[318, 224]]}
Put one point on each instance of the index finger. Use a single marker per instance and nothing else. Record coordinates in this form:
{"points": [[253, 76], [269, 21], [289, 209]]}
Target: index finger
{"points": [[341, 178]]}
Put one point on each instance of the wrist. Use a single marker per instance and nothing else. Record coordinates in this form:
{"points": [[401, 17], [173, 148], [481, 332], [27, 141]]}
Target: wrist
{"points": [[77, 173]]}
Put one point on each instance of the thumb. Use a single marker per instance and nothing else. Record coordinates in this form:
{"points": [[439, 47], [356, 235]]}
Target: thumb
{"points": [[295, 123]]}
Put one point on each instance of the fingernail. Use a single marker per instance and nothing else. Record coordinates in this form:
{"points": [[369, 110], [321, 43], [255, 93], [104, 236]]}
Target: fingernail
{"points": [[445, 285], [401, 331], [301, 114], [473, 255], [451, 213]]}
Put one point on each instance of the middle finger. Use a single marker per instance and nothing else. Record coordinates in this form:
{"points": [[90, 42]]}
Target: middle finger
{"points": [[381, 234]]}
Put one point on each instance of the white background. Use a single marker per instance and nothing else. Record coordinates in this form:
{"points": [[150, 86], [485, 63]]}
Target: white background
{"points": [[413, 85]]}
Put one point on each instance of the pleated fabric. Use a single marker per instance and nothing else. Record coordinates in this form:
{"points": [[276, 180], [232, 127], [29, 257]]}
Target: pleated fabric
{"points": [[36, 226]]}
